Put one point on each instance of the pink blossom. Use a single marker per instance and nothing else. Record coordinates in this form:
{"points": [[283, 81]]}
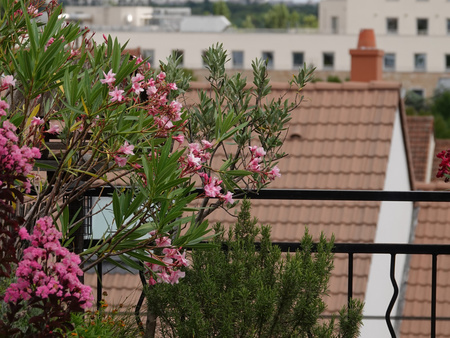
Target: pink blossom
{"points": [[49, 42], [175, 276], [172, 86], [212, 190], [136, 87], [109, 78], [8, 80], [163, 241], [254, 165], [206, 144], [126, 149], [179, 138], [260, 152], [23, 233], [138, 78], [120, 161], [193, 161], [161, 76], [3, 105], [54, 129], [116, 95], [228, 197], [37, 121], [151, 90], [274, 172]]}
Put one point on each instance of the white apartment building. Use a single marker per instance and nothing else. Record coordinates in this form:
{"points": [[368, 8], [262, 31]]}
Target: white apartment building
{"points": [[414, 34]]}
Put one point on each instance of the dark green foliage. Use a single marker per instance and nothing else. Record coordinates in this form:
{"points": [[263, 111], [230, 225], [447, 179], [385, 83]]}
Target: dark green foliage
{"points": [[334, 78], [302, 15], [245, 292]]}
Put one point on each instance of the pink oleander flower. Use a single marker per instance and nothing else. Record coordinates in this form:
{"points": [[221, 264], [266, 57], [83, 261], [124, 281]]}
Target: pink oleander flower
{"points": [[116, 95], [138, 78], [274, 172], [172, 86], [161, 76], [37, 121], [254, 165], [120, 161], [48, 269], [109, 78], [206, 144], [193, 161], [163, 241], [136, 87], [54, 129], [228, 197], [3, 105], [151, 90], [49, 42], [8, 80], [213, 188], [179, 138], [126, 149]]}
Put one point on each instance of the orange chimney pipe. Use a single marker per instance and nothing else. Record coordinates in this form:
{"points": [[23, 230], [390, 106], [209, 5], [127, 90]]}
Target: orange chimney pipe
{"points": [[367, 60]]}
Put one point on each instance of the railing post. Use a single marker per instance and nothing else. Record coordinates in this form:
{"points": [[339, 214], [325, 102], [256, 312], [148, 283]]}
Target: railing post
{"points": [[350, 279], [99, 283], [394, 296], [433, 295]]}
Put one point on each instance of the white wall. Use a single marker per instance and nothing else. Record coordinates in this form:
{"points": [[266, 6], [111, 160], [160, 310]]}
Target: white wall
{"points": [[394, 226]]}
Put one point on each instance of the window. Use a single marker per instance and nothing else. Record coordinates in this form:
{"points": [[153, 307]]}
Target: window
{"points": [[447, 62], [448, 26], [297, 59], [422, 26], [392, 25], [179, 54], [328, 60], [420, 61], [149, 54], [389, 61], [334, 25], [419, 92], [237, 58], [268, 57]]}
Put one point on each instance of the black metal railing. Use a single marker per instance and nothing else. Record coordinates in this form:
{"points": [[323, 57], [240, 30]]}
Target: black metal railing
{"points": [[353, 248]]}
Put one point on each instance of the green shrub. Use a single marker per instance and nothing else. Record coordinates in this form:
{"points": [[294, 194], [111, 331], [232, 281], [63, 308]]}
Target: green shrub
{"points": [[245, 291]]}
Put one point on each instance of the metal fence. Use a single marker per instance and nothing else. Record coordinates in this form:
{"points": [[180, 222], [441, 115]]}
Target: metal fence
{"points": [[355, 248]]}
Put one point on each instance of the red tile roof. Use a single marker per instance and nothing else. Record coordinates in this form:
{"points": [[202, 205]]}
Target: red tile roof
{"points": [[420, 130], [432, 228]]}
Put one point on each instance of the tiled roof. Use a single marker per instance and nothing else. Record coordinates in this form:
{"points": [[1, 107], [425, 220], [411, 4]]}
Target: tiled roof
{"points": [[432, 228], [420, 129]]}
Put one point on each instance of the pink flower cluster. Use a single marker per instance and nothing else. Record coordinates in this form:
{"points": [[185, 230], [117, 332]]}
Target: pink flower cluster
{"points": [[254, 165], [172, 261], [126, 149], [15, 160], [444, 168], [156, 90], [47, 269]]}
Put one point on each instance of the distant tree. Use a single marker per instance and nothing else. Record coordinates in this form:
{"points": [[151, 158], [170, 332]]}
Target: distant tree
{"points": [[277, 17], [310, 21], [248, 22], [221, 8]]}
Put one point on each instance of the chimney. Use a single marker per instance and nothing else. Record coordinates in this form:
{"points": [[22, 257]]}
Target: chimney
{"points": [[367, 60]]}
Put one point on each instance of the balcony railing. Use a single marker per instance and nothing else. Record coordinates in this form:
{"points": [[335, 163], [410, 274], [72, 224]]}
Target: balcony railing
{"points": [[352, 248]]}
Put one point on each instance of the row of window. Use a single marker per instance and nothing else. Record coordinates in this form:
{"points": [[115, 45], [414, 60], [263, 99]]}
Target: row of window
{"points": [[421, 26], [328, 60], [420, 62], [237, 58]]}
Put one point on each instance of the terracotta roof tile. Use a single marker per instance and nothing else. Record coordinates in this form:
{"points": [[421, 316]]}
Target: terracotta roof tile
{"points": [[420, 130], [432, 228]]}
